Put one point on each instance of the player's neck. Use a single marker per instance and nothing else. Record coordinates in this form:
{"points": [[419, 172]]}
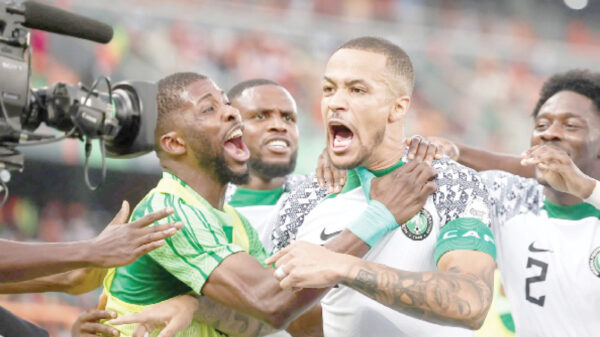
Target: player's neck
{"points": [[560, 198], [389, 152], [257, 182], [384, 158], [205, 184]]}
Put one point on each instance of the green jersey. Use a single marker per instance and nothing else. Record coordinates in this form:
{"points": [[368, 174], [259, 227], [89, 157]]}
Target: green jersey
{"points": [[188, 258]]}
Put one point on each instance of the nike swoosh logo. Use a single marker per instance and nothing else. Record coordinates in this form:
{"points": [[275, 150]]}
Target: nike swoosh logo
{"points": [[537, 250], [327, 236]]}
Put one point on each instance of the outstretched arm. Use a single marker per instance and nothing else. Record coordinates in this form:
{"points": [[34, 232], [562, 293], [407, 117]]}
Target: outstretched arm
{"points": [[74, 282], [477, 159], [481, 160], [119, 244]]}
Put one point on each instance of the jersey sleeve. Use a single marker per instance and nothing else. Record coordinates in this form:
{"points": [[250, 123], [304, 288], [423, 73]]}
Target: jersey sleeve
{"points": [[462, 202], [301, 199], [510, 195], [196, 250]]}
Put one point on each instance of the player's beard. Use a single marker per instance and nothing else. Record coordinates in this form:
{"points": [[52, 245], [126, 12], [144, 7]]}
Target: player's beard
{"points": [[267, 170], [212, 161]]}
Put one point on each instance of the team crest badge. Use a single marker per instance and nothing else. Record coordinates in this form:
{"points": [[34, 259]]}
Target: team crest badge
{"points": [[419, 227], [595, 262]]}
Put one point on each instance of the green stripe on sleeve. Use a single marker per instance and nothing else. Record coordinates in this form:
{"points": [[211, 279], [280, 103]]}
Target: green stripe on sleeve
{"points": [[467, 234]]}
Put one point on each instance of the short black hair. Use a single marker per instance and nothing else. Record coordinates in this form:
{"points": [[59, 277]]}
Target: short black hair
{"points": [[239, 88], [396, 58], [581, 81], [169, 99]]}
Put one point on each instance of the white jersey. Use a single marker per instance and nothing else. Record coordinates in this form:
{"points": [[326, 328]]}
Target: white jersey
{"points": [[261, 208], [348, 313], [548, 256]]}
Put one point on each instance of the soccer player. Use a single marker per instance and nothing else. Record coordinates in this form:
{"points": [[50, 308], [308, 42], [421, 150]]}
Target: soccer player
{"points": [[269, 115], [548, 229], [437, 268], [217, 254]]}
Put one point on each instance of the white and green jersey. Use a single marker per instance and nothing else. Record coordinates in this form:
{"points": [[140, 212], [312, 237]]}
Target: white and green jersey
{"points": [[548, 256], [455, 217], [262, 207]]}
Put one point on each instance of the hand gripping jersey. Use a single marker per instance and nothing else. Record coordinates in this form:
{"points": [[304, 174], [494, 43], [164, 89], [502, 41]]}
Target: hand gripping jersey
{"points": [[455, 217], [187, 259], [548, 256]]}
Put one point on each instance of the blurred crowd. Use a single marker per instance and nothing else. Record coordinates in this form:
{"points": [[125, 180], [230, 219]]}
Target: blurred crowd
{"points": [[479, 67]]}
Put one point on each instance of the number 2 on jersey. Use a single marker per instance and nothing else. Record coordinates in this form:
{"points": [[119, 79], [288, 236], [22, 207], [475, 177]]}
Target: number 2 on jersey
{"points": [[533, 279]]}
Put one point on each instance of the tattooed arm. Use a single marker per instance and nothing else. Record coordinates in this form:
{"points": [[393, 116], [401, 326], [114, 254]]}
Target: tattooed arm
{"points": [[458, 293]]}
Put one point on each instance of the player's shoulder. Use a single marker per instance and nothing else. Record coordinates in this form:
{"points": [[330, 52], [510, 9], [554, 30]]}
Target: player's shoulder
{"points": [[450, 172], [498, 179], [460, 192]]}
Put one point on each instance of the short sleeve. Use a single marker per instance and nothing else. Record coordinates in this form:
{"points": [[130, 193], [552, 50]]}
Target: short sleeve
{"points": [[462, 203], [195, 251], [461, 193], [510, 194]]}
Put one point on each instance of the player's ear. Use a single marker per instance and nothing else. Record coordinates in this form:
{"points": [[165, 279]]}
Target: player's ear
{"points": [[172, 143], [399, 109]]}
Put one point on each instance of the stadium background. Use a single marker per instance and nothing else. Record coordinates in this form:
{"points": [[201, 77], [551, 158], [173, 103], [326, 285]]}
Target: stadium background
{"points": [[479, 67]]}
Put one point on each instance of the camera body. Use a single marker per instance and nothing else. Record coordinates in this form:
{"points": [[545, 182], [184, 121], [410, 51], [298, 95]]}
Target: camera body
{"points": [[123, 117]]}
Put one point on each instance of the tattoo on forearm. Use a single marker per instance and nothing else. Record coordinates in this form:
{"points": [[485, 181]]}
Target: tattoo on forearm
{"points": [[258, 330], [243, 319], [449, 297], [229, 322]]}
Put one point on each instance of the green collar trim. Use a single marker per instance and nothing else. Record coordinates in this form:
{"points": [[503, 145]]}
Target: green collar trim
{"points": [[352, 182], [247, 197], [570, 212], [383, 172], [362, 176], [367, 175]]}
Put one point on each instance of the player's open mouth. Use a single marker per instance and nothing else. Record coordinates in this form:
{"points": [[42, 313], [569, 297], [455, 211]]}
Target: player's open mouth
{"points": [[340, 137], [277, 145], [235, 146]]}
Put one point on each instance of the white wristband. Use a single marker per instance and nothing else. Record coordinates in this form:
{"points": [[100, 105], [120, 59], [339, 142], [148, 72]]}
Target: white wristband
{"points": [[594, 198]]}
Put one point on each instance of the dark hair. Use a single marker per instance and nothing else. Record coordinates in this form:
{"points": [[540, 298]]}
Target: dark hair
{"points": [[169, 99], [583, 82], [237, 89], [397, 59]]}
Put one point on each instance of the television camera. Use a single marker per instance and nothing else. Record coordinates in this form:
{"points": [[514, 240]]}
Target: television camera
{"points": [[122, 118]]}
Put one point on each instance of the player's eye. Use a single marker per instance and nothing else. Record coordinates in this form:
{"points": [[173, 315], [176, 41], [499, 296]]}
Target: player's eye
{"points": [[327, 89], [208, 109]]}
